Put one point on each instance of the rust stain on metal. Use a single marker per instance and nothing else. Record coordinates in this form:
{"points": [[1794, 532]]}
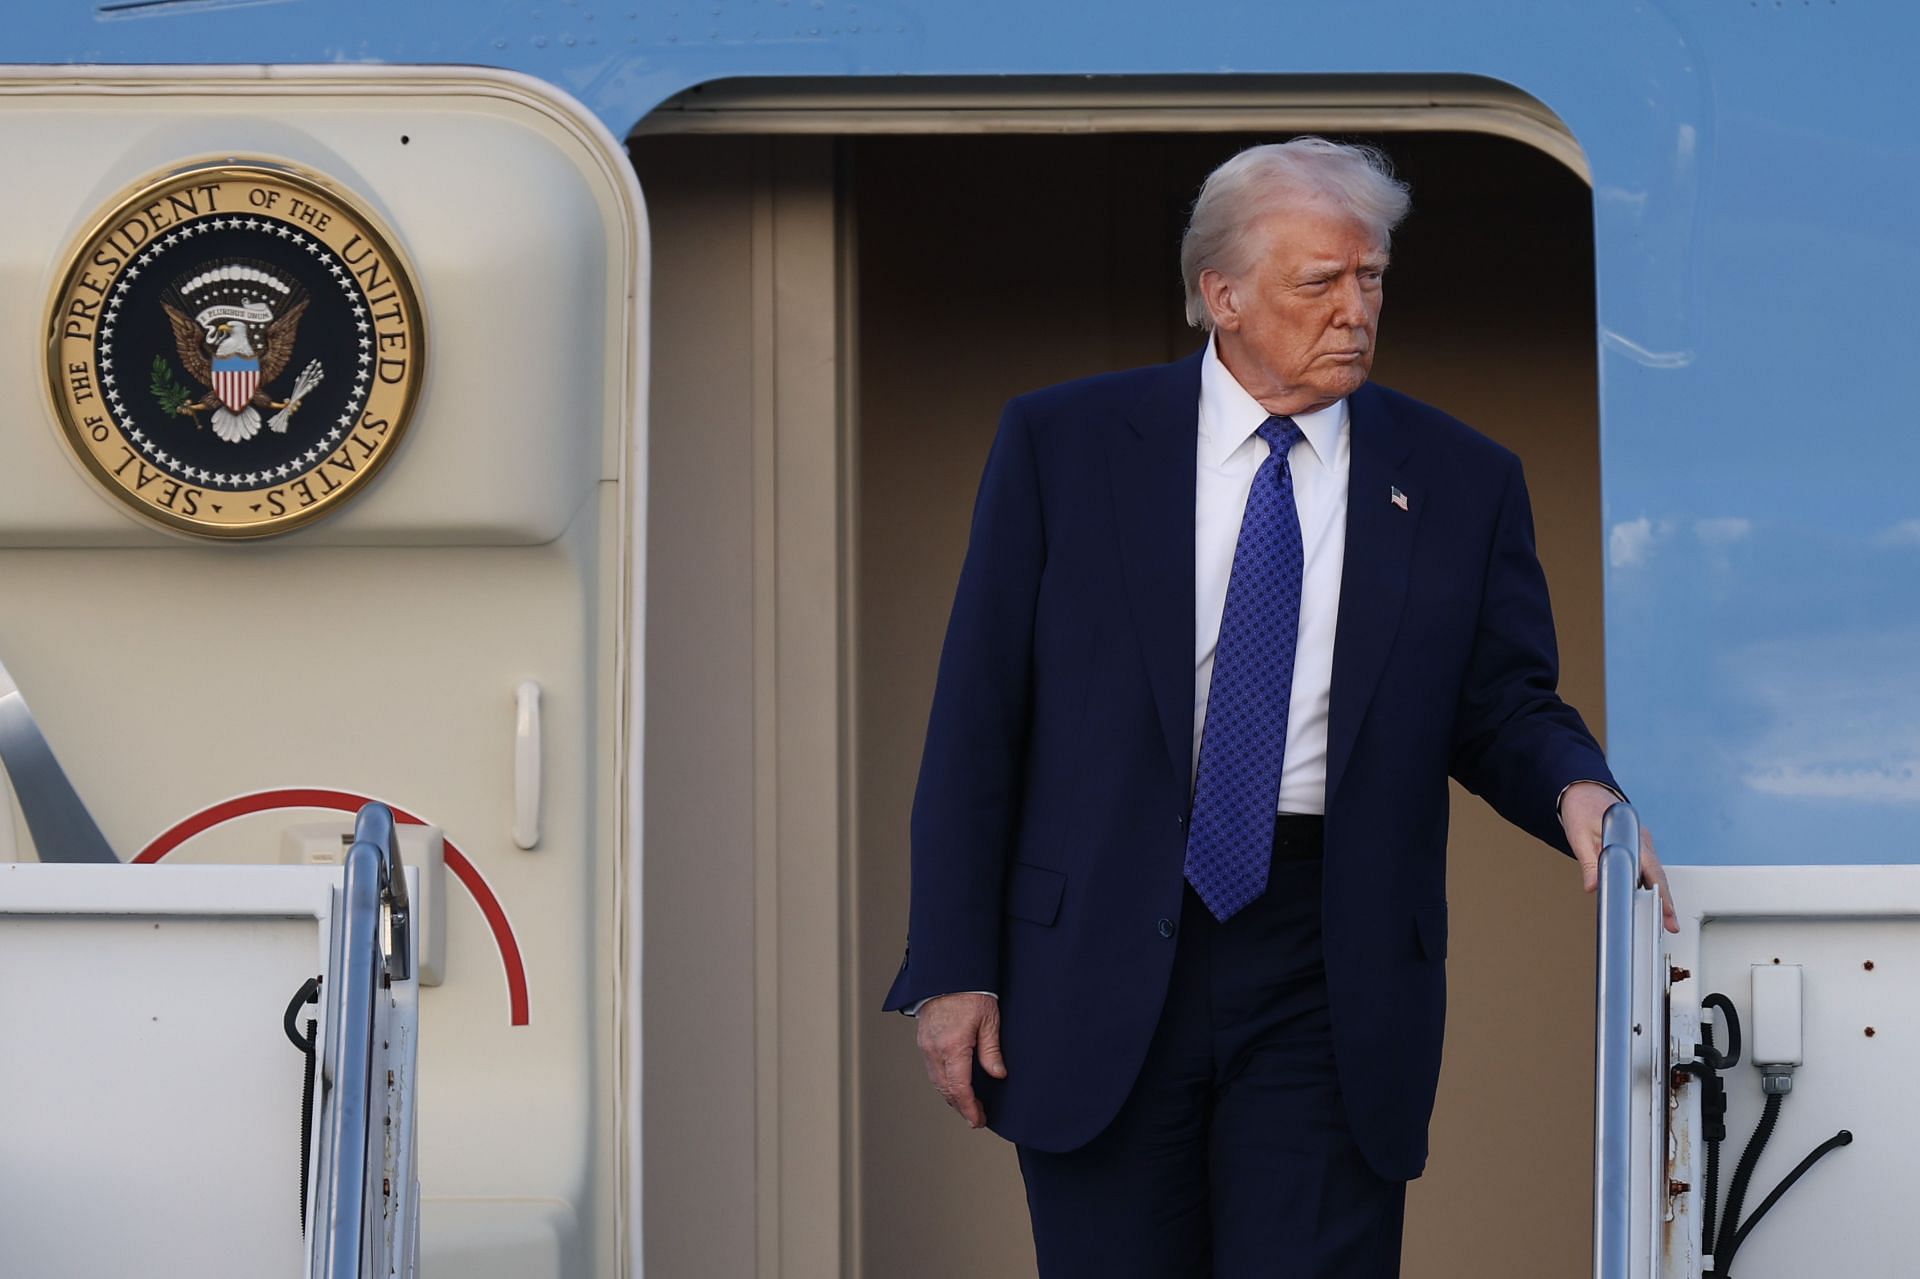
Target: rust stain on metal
{"points": [[1676, 1228], [1677, 974], [1673, 1229]]}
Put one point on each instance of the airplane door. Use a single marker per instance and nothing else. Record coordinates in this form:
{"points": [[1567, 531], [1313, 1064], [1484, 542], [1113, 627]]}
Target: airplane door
{"points": [[323, 482]]}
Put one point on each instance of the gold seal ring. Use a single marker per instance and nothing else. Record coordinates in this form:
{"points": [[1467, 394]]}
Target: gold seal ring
{"points": [[235, 349]]}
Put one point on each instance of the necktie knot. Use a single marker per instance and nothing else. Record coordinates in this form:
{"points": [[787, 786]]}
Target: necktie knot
{"points": [[1281, 434]]}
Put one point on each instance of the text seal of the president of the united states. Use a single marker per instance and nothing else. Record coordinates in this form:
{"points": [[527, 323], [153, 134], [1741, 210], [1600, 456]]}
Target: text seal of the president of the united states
{"points": [[234, 349]]}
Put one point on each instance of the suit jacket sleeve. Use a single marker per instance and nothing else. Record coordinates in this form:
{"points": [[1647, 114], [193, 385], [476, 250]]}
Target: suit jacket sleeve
{"points": [[1515, 743], [967, 803]]}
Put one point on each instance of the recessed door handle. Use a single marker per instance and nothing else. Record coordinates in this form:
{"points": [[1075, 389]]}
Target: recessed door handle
{"points": [[526, 764]]}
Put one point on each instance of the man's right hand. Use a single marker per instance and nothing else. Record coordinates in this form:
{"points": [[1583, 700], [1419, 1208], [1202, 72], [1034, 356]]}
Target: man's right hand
{"points": [[952, 1030]]}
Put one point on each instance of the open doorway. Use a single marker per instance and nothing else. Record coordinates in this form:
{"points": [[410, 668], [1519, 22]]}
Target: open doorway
{"points": [[960, 270]]}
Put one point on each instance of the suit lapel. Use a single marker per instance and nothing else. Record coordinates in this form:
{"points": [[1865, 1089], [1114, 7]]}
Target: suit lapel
{"points": [[1152, 467], [1373, 580]]}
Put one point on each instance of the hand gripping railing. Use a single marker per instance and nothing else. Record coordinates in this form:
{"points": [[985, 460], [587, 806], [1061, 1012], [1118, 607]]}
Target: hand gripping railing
{"points": [[366, 956], [1613, 1044]]}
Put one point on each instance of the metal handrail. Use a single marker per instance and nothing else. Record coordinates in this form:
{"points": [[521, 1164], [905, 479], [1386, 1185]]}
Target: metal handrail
{"points": [[62, 828], [366, 956], [374, 825], [1613, 1044]]}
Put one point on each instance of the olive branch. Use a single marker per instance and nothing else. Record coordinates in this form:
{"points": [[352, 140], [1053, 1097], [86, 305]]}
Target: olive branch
{"points": [[166, 388]]}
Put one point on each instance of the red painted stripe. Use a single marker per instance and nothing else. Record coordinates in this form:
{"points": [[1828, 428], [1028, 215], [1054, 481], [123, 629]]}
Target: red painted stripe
{"points": [[347, 802]]}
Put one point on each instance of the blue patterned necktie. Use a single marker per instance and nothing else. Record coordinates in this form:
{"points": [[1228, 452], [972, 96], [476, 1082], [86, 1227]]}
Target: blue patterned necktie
{"points": [[1244, 740]]}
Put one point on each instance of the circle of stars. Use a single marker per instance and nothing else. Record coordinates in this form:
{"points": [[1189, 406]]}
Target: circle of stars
{"points": [[152, 448]]}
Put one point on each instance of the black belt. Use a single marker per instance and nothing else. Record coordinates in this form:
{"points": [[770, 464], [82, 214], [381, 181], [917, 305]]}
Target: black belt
{"points": [[1298, 837]]}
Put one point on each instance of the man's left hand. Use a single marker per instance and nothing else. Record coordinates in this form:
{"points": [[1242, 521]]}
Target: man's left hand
{"points": [[1581, 810]]}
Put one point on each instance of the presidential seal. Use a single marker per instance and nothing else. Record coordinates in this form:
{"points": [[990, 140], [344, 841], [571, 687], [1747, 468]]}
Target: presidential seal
{"points": [[234, 349]]}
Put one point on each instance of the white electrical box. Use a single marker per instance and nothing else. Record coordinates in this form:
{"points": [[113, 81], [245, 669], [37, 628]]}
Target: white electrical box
{"points": [[1775, 1032], [324, 843]]}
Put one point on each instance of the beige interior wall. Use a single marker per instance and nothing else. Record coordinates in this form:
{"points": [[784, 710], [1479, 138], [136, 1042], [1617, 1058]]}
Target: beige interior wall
{"points": [[697, 998], [990, 266], [743, 997]]}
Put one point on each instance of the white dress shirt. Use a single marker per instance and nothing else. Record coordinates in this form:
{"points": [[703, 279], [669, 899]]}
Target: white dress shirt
{"points": [[1229, 455]]}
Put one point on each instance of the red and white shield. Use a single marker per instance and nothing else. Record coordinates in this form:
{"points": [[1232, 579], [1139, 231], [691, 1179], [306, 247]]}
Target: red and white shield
{"points": [[234, 381]]}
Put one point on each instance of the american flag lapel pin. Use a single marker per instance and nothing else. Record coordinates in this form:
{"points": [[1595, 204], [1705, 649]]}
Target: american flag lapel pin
{"points": [[1398, 498]]}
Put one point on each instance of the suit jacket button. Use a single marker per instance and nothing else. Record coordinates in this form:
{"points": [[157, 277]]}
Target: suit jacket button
{"points": [[1166, 927]]}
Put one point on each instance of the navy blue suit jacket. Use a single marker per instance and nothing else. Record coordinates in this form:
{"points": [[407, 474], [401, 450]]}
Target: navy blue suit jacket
{"points": [[1049, 824]]}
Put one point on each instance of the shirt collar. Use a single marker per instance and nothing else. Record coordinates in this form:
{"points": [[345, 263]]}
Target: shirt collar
{"points": [[1229, 416]]}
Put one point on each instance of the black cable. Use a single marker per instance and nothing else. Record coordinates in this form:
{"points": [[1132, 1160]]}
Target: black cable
{"points": [[1839, 1139], [1713, 1192], [1711, 1091], [306, 1125], [1743, 1173], [309, 993], [1730, 1015], [1713, 1102]]}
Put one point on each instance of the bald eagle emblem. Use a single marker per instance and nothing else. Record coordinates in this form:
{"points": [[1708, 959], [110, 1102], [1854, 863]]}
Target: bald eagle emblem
{"points": [[235, 323]]}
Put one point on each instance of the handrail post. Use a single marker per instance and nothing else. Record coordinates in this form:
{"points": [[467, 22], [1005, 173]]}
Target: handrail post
{"points": [[373, 883], [374, 825], [62, 828], [1613, 1044]]}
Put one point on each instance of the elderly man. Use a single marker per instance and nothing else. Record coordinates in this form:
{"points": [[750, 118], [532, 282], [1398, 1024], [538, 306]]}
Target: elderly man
{"points": [[1224, 629]]}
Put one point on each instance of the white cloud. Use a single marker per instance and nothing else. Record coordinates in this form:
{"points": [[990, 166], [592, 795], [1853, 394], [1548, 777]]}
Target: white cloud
{"points": [[1905, 533], [1890, 784], [1834, 716], [1629, 542], [1615, 341], [1724, 531]]}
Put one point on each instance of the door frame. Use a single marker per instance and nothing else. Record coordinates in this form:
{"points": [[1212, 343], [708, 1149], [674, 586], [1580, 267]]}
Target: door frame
{"points": [[805, 519]]}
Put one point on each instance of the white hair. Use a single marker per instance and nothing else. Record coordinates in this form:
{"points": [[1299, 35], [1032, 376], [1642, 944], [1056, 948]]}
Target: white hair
{"points": [[1306, 172]]}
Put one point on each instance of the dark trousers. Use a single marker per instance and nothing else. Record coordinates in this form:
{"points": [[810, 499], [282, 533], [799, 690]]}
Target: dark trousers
{"points": [[1231, 1158]]}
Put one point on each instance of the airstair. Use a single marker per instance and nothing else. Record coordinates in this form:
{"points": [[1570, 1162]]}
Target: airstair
{"points": [[204, 1070], [1754, 1113]]}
